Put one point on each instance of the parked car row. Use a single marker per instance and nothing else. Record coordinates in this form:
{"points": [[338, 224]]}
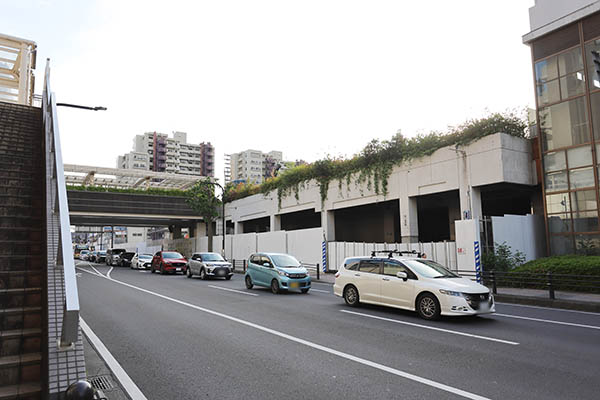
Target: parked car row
{"points": [[396, 279]]}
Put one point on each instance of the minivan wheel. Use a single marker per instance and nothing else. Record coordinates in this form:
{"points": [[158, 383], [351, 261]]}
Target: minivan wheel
{"points": [[351, 296], [428, 307], [274, 286], [189, 272], [248, 281]]}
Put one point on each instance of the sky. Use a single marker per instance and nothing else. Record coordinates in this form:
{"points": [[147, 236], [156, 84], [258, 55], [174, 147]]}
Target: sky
{"points": [[308, 78]]}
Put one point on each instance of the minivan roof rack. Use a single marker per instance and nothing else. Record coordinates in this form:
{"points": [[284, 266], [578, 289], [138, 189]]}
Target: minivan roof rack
{"points": [[391, 253]]}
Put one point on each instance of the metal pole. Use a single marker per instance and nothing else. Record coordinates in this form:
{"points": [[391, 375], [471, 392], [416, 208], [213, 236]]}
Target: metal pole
{"points": [[550, 287], [318, 272]]}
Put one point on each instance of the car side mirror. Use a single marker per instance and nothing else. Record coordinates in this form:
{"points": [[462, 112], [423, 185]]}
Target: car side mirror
{"points": [[268, 265], [402, 275]]}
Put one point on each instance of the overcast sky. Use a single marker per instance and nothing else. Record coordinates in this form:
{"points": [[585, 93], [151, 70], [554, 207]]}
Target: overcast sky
{"points": [[308, 78]]}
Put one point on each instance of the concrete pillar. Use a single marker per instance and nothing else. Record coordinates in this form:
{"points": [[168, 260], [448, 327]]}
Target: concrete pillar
{"points": [[476, 208], [409, 220], [200, 229], [328, 225], [275, 223], [176, 234], [238, 228]]}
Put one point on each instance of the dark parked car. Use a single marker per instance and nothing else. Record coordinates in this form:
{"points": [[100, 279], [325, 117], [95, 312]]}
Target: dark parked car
{"points": [[113, 256], [169, 261], [100, 256], [125, 259]]}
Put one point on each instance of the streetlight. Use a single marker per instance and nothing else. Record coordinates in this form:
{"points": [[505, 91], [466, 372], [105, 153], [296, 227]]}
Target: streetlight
{"points": [[100, 108]]}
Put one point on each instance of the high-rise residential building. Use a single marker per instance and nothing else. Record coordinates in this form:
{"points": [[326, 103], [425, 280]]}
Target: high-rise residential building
{"points": [[565, 50], [252, 166], [158, 152]]}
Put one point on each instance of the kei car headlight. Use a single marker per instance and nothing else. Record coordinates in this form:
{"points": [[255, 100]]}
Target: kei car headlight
{"points": [[451, 293], [283, 273]]}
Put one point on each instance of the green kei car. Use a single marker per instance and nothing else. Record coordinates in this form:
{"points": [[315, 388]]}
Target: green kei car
{"points": [[280, 272]]}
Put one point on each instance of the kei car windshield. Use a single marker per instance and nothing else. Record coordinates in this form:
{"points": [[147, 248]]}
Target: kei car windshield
{"points": [[285, 261], [171, 254], [429, 269], [212, 257]]}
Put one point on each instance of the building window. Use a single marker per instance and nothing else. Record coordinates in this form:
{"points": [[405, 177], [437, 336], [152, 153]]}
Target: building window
{"points": [[564, 124]]}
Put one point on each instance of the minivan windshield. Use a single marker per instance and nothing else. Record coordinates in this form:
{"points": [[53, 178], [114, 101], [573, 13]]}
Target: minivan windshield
{"points": [[171, 254], [429, 269], [285, 261], [212, 257]]}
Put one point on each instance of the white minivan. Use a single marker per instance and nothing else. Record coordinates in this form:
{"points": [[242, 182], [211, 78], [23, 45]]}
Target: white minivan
{"points": [[410, 283]]}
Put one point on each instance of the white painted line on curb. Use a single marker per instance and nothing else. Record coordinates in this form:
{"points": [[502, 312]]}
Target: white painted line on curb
{"points": [[550, 308], [232, 290], [321, 291], [109, 271], [381, 367], [128, 385], [549, 321], [432, 328]]}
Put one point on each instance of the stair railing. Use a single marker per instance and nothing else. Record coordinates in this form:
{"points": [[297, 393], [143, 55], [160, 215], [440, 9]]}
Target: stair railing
{"points": [[56, 193]]}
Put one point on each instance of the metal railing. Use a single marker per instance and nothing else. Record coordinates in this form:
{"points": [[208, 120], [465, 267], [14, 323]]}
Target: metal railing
{"points": [[548, 281], [17, 62], [56, 193]]}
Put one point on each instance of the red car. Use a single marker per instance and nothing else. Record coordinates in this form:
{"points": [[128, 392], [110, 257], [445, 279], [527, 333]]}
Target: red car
{"points": [[169, 261]]}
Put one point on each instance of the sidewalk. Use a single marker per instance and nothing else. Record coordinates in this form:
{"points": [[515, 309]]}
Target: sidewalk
{"points": [[537, 297], [99, 375]]}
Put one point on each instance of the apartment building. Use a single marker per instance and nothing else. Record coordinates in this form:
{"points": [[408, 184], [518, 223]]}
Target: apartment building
{"points": [[252, 166], [158, 152]]}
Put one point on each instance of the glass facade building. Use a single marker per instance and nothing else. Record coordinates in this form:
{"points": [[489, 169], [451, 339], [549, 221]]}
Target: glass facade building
{"points": [[567, 83]]}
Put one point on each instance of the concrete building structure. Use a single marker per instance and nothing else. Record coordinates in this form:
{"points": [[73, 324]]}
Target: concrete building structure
{"points": [[565, 49], [252, 166], [493, 176], [158, 152]]}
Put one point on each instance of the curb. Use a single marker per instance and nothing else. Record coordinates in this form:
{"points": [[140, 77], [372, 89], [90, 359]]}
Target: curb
{"points": [[541, 302]]}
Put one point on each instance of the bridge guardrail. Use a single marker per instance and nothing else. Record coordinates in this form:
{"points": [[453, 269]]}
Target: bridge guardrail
{"points": [[57, 194]]}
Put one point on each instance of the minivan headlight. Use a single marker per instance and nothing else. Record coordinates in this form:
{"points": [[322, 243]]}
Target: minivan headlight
{"points": [[451, 293]]}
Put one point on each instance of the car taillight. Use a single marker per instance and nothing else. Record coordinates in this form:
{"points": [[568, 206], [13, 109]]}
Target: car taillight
{"points": [[337, 274]]}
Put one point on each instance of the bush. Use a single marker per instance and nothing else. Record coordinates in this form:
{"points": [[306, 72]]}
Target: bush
{"points": [[502, 258], [155, 191], [572, 273]]}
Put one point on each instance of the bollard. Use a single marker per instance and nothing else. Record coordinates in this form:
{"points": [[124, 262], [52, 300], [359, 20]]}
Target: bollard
{"points": [[244, 266], [318, 272], [494, 289], [233, 264], [80, 390], [550, 286]]}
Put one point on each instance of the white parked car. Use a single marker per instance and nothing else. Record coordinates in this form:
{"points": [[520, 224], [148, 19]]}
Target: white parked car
{"points": [[410, 283], [208, 265], [141, 261]]}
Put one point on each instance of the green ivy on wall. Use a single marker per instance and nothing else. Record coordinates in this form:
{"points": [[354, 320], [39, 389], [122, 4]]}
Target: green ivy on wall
{"points": [[375, 163]]}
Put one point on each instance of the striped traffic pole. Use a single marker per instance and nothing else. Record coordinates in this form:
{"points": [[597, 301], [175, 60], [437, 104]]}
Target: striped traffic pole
{"points": [[324, 255], [477, 262]]}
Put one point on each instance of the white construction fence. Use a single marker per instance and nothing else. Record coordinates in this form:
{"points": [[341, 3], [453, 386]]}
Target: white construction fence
{"points": [[305, 245]]}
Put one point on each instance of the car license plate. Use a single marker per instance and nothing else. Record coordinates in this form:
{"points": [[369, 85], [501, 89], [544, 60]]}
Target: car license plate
{"points": [[178, 269], [221, 272], [295, 285]]}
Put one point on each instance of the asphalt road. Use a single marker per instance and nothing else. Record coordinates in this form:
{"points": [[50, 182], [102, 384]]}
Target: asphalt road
{"points": [[181, 338]]}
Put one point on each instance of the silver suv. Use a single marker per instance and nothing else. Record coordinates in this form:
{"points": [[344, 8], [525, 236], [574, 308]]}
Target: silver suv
{"points": [[113, 256]]}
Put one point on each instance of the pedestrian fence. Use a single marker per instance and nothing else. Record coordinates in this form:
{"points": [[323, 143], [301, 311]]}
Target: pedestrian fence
{"points": [[242, 265], [535, 280]]}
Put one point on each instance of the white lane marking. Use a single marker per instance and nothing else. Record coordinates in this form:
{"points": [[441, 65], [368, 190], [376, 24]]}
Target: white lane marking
{"points": [[128, 385], [94, 268], [321, 291], [109, 271], [340, 354], [232, 290], [432, 328], [549, 321], [550, 309]]}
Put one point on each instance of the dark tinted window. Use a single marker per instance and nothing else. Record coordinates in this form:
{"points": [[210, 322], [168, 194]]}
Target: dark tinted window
{"points": [[352, 266], [255, 260], [370, 266], [391, 268]]}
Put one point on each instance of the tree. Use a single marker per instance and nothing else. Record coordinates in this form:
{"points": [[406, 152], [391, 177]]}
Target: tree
{"points": [[201, 198]]}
